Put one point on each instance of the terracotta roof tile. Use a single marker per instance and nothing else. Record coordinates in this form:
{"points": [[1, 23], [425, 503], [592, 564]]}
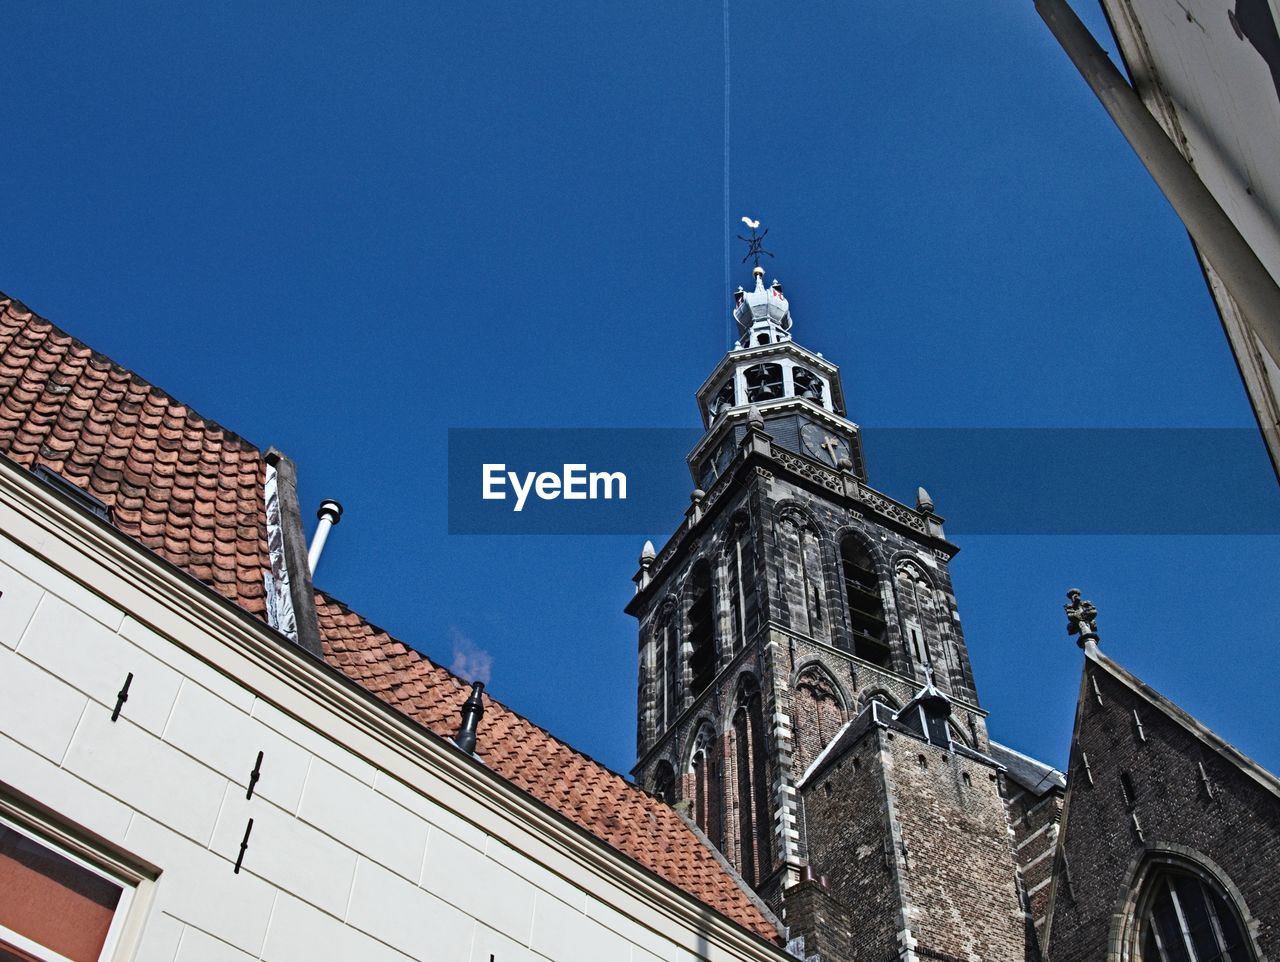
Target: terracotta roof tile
{"points": [[80, 414], [190, 490], [601, 801]]}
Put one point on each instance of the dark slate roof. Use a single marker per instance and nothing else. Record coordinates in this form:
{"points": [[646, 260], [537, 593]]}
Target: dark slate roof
{"points": [[880, 715], [1036, 777], [875, 714]]}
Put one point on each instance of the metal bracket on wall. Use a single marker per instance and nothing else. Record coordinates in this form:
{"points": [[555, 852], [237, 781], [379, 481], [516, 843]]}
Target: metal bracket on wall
{"points": [[254, 776], [1096, 693], [1204, 780], [122, 696], [244, 845]]}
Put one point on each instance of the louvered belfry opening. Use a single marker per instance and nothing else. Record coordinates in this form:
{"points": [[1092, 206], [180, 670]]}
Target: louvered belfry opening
{"points": [[764, 382], [866, 606], [702, 643], [666, 673]]}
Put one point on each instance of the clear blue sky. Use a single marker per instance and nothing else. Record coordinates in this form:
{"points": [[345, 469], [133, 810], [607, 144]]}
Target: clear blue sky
{"points": [[343, 230]]}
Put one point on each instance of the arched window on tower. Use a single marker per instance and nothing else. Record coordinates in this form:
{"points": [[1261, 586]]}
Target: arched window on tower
{"points": [[764, 382], [866, 607], [666, 672], [740, 584], [817, 714], [919, 619], [722, 400], [705, 770], [1184, 918], [808, 384], [755, 829], [806, 603], [702, 641], [664, 782]]}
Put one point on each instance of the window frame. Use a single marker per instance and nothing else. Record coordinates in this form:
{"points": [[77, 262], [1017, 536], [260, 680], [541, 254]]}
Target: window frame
{"points": [[135, 882], [1146, 874]]}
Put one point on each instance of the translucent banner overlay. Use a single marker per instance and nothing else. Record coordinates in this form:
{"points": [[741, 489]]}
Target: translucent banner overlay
{"points": [[982, 480]]}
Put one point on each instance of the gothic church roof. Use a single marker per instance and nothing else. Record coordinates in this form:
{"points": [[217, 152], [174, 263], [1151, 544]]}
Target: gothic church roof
{"points": [[191, 491]]}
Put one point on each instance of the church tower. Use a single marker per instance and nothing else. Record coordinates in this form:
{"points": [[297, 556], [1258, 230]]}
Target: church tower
{"points": [[794, 610]]}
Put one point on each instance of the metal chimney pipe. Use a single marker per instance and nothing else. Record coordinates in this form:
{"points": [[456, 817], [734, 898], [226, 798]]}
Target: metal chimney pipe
{"points": [[330, 513], [472, 711]]}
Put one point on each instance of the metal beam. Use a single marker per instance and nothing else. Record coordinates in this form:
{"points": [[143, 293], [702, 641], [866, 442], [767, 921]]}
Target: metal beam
{"points": [[1215, 235]]}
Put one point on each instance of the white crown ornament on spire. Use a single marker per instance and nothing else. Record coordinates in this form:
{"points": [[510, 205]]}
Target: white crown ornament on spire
{"points": [[763, 314]]}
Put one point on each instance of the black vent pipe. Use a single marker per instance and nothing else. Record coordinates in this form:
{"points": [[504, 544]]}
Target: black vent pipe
{"points": [[472, 711]]}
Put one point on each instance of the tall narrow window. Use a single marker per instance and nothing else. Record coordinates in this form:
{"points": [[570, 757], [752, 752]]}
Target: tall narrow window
{"points": [[1186, 920], [702, 642], [664, 782], [704, 767], [666, 672], [805, 603], [744, 604], [866, 607], [808, 384], [746, 826], [723, 399], [53, 906], [922, 618], [755, 835], [916, 638]]}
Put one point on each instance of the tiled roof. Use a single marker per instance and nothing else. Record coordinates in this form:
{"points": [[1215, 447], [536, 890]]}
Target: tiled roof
{"points": [[183, 486], [584, 791], [192, 492]]}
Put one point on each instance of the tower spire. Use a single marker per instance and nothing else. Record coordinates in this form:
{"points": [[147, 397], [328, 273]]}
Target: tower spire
{"points": [[763, 314]]}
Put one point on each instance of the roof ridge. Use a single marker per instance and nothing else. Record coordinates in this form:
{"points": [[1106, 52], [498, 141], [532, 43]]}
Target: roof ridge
{"points": [[12, 305], [463, 683], [15, 305], [1186, 720]]}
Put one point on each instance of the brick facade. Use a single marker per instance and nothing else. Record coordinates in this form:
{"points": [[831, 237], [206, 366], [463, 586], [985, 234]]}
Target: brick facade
{"points": [[1151, 788], [1034, 820], [913, 837]]}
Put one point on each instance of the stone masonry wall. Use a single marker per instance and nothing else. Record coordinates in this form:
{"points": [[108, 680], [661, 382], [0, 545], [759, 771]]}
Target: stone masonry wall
{"points": [[1034, 821], [1225, 820], [848, 828], [958, 870]]}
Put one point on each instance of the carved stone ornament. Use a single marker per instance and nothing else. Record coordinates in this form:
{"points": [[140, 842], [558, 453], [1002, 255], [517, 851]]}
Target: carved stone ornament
{"points": [[1082, 618]]}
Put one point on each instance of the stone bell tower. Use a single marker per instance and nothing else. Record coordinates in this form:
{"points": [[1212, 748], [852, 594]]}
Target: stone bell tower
{"points": [[793, 601]]}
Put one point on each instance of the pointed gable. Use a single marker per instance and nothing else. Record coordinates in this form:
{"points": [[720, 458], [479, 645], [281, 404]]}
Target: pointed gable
{"points": [[1151, 786]]}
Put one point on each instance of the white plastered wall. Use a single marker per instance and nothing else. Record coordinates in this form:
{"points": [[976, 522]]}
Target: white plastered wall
{"points": [[371, 840]]}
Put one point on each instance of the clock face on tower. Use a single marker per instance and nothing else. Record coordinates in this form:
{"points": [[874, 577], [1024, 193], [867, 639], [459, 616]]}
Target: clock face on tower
{"points": [[715, 464], [823, 445]]}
